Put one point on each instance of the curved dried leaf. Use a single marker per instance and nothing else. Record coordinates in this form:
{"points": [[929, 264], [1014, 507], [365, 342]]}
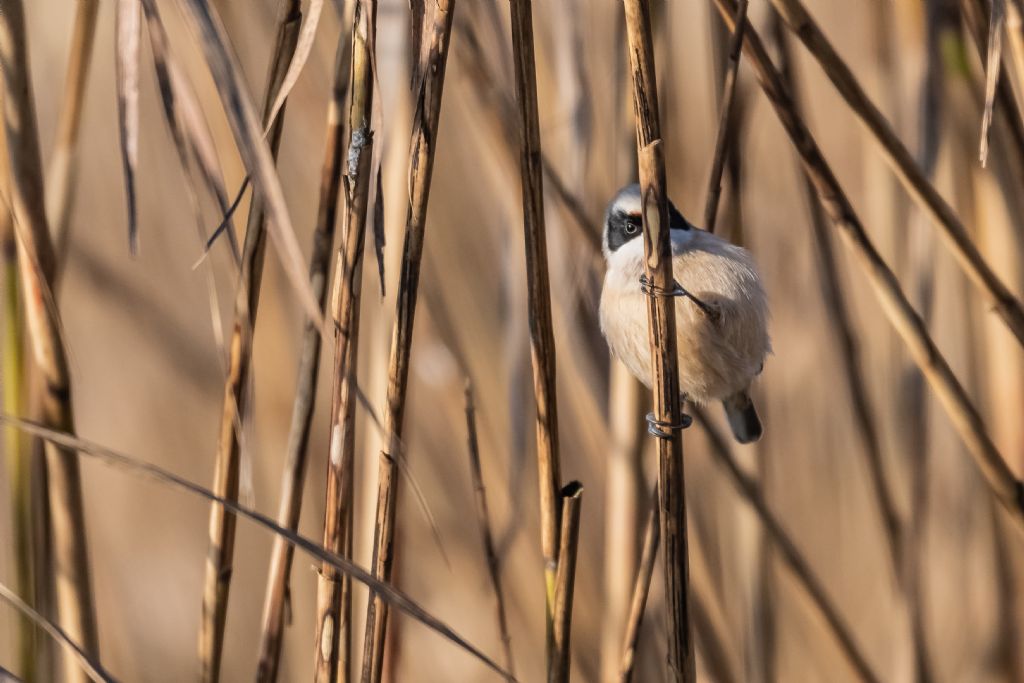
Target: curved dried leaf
{"points": [[993, 63], [302, 49], [128, 31]]}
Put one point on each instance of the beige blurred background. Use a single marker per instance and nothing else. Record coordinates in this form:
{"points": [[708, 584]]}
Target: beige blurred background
{"points": [[147, 374]]}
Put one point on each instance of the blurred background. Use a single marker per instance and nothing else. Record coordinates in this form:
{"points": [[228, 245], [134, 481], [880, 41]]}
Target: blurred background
{"points": [[147, 374]]}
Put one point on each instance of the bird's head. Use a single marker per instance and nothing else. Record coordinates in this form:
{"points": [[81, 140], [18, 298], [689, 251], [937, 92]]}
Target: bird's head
{"points": [[623, 221]]}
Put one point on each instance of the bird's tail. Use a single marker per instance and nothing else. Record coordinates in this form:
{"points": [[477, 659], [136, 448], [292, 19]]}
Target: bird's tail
{"points": [[743, 419]]}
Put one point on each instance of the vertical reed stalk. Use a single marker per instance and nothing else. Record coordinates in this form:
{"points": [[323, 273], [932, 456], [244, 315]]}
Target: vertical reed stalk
{"points": [[565, 580], [484, 521], [37, 266], [220, 560], [662, 331], [17, 450], [60, 179], [333, 641], [434, 59], [542, 342], [954, 399], [297, 450]]}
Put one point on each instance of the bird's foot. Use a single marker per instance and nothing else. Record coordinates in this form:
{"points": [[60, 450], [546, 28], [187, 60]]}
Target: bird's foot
{"points": [[656, 427], [651, 289]]}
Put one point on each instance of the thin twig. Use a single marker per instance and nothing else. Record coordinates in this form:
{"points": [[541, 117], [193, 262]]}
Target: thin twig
{"points": [[662, 332], [220, 560], [542, 341], [421, 163], [37, 266], [725, 119], [484, 522]]}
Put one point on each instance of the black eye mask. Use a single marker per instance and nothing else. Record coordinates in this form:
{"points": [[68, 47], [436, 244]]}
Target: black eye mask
{"points": [[623, 227]]}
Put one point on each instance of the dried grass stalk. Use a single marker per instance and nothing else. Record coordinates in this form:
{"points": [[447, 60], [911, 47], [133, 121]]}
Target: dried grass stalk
{"points": [[662, 331], [220, 560], [542, 341], [957, 239], [565, 580], [297, 450], [641, 589], [37, 266], [333, 642], [437, 33], [951, 394]]}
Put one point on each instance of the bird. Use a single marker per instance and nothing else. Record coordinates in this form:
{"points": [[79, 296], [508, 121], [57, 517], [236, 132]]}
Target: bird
{"points": [[721, 311]]}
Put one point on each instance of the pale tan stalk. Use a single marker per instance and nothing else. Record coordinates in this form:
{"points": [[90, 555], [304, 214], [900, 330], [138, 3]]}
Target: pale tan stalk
{"points": [[37, 267], [571, 498]]}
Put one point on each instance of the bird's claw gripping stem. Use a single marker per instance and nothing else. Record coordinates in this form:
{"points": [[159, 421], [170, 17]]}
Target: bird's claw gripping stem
{"points": [[657, 428], [651, 289]]}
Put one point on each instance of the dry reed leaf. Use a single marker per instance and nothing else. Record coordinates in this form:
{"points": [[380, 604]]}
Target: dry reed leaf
{"points": [[378, 230], [244, 122], [90, 665], [307, 35], [128, 31], [118, 460], [993, 62]]}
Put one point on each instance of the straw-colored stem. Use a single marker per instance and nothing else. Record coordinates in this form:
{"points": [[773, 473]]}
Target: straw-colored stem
{"points": [[220, 559], [725, 119], [60, 179], [297, 451], [641, 589], [542, 342], [662, 332], [571, 498], [428, 91], [916, 182], [37, 266], [841, 323], [788, 551], [333, 641], [954, 399], [486, 536]]}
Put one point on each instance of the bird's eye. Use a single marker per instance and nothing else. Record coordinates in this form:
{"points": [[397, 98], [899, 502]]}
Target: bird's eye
{"points": [[631, 227]]}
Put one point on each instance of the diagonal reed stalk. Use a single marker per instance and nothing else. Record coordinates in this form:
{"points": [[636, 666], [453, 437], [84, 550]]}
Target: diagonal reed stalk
{"points": [[297, 451], [145, 470], [916, 182], [838, 310], [954, 399], [725, 120], [542, 341], [571, 498], [220, 560], [434, 59], [788, 551], [61, 176], [662, 331], [37, 266], [486, 536], [333, 641]]}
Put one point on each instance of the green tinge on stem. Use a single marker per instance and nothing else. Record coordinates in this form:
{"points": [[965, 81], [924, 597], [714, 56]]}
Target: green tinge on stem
{"points": [[17, 454]]}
